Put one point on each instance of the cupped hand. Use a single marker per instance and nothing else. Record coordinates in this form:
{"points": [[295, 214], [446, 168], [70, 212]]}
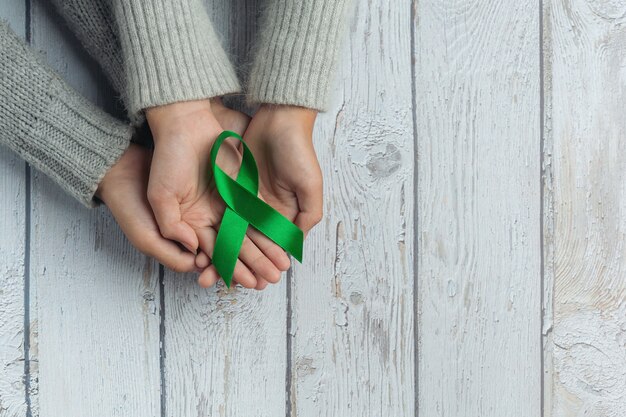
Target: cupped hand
{"points": [[123, 190], [290, 179], [186, 207]]}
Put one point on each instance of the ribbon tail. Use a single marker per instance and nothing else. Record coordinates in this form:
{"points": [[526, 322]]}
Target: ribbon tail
{"points": [[228, 243]]}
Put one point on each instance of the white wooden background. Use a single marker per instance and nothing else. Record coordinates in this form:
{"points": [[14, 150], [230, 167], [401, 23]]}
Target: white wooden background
{"points": [[470, 263]]}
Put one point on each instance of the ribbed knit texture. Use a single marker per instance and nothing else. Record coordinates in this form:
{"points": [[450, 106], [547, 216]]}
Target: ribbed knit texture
{"points": [[171, 53], [51, 126], [296, 57], [154, 52], [93, 24]]}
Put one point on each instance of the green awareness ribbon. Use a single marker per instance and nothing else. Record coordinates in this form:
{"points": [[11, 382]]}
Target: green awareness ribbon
{"points": [[243, 208]]}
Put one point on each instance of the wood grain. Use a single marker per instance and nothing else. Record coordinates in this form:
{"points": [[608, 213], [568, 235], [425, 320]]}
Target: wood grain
{"points": [[225, 349], [454, 94], [479, 258], [352, 321], [12, 259], [94, 299], [587, 43]]}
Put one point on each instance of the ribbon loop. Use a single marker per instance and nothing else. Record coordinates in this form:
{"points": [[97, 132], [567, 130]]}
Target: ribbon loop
{"points": [[243, 208]]}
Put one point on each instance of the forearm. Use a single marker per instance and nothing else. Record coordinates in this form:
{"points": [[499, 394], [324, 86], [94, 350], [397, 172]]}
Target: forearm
{"points": [[296, 57], [51, 126]]}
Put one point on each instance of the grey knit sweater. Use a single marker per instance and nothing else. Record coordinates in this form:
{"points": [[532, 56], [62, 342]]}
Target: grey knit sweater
{"points": [[154, 52], [51, 126]]}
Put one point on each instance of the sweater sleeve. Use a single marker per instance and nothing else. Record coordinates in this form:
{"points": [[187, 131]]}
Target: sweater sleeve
{"points": [[297, 52], [51, 126], [171, 53], [93, 24]]}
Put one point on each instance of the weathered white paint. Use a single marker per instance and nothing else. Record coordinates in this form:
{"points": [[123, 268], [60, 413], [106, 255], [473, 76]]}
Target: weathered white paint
{"points": [[547, 220], [12, 256], [352, 321], [587, 44], [95, 301], [479, 251], [225, 350]]}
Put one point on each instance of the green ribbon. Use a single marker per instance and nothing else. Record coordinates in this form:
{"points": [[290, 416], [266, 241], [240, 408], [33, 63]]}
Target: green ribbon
{"points": [[243, 208]]}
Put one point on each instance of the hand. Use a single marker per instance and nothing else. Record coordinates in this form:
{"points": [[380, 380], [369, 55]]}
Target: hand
{"points": [[123, 190], [290, 179], [186, 208], [235, 121]]}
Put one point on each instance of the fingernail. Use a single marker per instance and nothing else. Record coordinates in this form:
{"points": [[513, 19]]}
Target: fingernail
{"points": [[194, 251]]}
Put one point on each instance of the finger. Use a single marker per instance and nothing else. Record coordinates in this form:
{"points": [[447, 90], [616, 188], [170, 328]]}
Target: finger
{"points": [[208, 277], [254, 262], [271, 250], [241, 273], [167, 214], [202, 260], [166, 252], [261, 284], [254, 259], [310, 202]]}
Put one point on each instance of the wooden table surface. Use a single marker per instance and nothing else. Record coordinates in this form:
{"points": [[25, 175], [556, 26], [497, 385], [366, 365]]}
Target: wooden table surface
{"points": [[471, 262]]}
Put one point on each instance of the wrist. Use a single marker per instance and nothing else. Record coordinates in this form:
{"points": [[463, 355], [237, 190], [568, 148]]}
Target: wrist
{"points": [[302, 114], [282, 113], [173, 121], [133, 157]]}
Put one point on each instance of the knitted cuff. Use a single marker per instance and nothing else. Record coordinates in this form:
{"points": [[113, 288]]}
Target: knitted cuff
{"points": [[295, 59], [51, 126], [171, 53]]}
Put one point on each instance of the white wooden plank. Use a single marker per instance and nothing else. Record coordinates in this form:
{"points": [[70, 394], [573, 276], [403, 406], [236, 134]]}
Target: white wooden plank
{"points": [[94, 299], [588, 73], [225, 349], [352, 322], [547, 215], [479, 256], [12, 257]]}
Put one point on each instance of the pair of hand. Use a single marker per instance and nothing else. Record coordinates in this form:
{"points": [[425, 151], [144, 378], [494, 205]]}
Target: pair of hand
{"points": [[165, 197]]}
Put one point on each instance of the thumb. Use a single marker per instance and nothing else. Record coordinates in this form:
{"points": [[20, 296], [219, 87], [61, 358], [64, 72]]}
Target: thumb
{"points": [[310, 203], [167, 214]]}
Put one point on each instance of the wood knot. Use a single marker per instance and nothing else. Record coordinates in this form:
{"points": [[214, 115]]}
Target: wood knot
{"points": [[383, 164], [608, 9]]}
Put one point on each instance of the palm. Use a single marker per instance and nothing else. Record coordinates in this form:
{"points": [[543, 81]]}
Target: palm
{"points": [[187, 206], [124, 191], [203, 210], [275, 188], [202, 207], [289, 173]]}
